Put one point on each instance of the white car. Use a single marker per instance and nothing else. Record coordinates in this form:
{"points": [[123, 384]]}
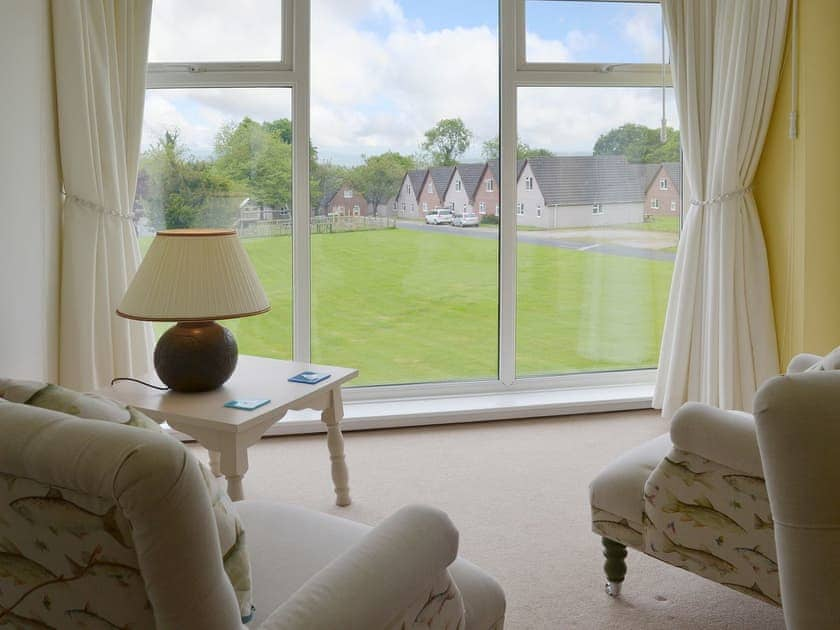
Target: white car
{"points": [[439, 216], [465, 220]]}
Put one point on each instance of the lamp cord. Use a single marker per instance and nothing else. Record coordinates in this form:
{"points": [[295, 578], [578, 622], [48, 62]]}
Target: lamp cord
{"points": [[137, 380]]}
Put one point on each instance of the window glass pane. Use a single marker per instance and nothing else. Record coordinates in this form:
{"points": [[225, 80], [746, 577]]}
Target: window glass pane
{"points": [[398, 290], [223, 158], [612, 32], [594, 263], [216, 30]]}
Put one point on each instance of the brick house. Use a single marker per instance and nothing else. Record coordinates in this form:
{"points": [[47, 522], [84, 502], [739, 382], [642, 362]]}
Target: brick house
{"points": [[406, 202], [486, 197], [460, 194], [433, 191], [347, 202], [662, 190]]}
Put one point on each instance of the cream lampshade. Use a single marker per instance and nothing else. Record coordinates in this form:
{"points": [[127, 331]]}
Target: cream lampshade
{"points": [[193, 277]]}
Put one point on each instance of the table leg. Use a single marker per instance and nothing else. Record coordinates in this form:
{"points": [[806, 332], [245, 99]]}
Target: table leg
{"points": [[234, 487], [332, 416], [233, 464], [215, 456]]}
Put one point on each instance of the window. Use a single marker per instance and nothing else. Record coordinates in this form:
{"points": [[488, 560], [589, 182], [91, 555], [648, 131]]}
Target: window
{"points": [[673, 206], [654, 203], [663, 184], [266, 159]]}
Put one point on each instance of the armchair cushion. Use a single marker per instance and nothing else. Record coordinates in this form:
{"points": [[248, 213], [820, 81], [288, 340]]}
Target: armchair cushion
{"points": [[93, 407], [305, 542]]}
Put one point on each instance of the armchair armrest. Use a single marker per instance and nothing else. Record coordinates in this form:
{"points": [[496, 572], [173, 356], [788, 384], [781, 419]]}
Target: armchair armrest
{"points": [[373, 582], [725, 437]]}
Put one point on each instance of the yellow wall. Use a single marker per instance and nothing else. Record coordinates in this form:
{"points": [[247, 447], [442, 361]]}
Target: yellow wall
{"points": [[797, 188]]}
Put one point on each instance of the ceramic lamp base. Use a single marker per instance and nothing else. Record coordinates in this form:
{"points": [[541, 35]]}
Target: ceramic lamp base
{"points": [[195, 356]]}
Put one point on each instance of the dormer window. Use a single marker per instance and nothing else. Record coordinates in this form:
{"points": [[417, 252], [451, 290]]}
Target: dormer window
{"points": [[663, 184], [348, 193], [488, 185]]}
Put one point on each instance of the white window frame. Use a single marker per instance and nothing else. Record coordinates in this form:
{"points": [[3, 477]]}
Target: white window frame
{"points": [[457, 185], [673, 206], [529, 183], [430, 188], [292, 71], [663, 183], [597, 208], [348, 193], [520, 209], [654, 203], [539, 211], [482, 207], [357, 211]]}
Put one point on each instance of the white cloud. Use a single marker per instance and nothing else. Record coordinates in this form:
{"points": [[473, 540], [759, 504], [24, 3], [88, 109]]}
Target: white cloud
{"points": [[643, 31], [379, 80]]}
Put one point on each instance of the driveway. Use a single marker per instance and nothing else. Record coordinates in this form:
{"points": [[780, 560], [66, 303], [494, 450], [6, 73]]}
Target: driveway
{"points": [[649, 245]]}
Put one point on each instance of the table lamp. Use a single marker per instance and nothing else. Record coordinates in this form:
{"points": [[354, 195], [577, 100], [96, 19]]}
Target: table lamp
{"points": [[194, 277]]}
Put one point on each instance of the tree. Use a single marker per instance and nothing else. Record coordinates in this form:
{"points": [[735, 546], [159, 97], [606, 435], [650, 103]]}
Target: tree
{"points": [[178, 191], [490, 150], [257, 159], [639, 144], [447, 141], [325, 178], [379, 177]]}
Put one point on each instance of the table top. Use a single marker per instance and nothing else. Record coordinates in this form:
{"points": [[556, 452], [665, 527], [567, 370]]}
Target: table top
{"points": [[254, 377]]}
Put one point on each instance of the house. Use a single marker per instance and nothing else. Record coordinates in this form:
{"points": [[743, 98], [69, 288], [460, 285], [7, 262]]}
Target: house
{"points": [[460, 194], [663, 190], [251, 212], [407, 199], [486, 197], [433, 190], [347, 202], [578, 191]]}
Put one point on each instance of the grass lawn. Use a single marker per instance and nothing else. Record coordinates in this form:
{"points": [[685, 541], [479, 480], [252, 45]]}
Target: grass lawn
{"points": [[655, 224], [407, 306]]}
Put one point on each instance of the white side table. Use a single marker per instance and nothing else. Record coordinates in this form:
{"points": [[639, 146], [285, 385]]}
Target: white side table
{"points": [[227, 433]]}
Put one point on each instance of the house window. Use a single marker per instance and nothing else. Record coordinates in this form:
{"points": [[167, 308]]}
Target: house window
{"points": [[430, 188], [356, 210], [597, 208], [425, 207], [403, 206], [482, 208], [539, 211], [673, 206], [457, 184], [663, 184], [654, 203], [488, 185], [520, 209], [529, 183], [348, 193]]}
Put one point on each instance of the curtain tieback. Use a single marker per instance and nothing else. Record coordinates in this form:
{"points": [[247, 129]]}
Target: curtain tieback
{"points": [[90, 205], [721, 198]]}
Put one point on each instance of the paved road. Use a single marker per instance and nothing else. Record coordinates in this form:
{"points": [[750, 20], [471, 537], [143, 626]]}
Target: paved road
{"points": [[535, 239]]}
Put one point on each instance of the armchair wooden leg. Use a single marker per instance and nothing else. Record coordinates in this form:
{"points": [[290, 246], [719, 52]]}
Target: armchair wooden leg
{"points": [[614, 567]]}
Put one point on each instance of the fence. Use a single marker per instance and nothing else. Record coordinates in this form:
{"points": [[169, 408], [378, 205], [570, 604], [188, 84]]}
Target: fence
{"points": [[317, 225]]}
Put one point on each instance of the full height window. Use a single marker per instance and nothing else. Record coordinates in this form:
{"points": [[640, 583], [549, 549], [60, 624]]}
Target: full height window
{"points": [[258, 115]]}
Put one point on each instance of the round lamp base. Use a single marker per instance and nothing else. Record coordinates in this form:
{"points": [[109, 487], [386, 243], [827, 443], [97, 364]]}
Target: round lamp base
{"points": [[195, 356]]}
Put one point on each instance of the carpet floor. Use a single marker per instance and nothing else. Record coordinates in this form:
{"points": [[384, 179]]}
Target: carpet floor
{"points": [[517, 491]]}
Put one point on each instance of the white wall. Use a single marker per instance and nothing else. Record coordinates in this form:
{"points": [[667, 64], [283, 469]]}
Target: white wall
{"points": [[29, 193]]}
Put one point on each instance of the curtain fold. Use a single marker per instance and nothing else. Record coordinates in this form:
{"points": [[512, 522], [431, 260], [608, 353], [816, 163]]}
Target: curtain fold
{"points": [[100, 49], [719, 342]]}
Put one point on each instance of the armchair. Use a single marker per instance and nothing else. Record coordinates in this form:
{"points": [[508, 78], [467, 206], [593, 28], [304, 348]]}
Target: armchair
{"points": [[103, 524], [697, 498]]}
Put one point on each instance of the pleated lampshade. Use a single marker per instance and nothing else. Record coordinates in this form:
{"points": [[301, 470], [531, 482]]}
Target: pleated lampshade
{"points": [[194, 275]]}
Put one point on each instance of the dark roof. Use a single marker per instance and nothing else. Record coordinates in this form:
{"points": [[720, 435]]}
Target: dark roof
{"points": [[572, 180], [674, 170], [440, 176], [471, 175], [416, 177], [493, 165]]}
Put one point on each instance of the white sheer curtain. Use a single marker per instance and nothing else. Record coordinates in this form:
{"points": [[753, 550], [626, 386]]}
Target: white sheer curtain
{"points": [[719, 342], [100, 49]]}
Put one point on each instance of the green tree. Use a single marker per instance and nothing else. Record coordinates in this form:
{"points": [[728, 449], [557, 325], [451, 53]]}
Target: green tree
{"points": [[447, 141], [490, 150], [325, 178], [178, 191], [639, 144], [379, 177]]}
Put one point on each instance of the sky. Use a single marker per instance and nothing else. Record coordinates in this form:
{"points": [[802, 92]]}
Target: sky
{"points": [[384, 71]]}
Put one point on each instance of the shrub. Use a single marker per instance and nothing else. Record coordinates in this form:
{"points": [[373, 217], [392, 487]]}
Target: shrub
{"points": [[489, 219]]}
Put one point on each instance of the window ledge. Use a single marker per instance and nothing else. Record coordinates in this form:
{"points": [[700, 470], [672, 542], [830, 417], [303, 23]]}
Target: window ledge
{"points": [[428, 410]]}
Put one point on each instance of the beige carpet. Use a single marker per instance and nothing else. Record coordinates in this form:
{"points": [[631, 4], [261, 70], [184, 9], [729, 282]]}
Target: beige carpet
{"points": [[517, 491]]}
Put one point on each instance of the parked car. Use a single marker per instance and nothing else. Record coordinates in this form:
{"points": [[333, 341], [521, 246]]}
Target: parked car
{"points": [[439, 216], [465, 220]]}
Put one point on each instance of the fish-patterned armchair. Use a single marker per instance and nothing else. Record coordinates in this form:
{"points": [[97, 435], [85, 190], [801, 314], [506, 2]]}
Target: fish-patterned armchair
{"points": [[696, 498], [112, 525]]}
